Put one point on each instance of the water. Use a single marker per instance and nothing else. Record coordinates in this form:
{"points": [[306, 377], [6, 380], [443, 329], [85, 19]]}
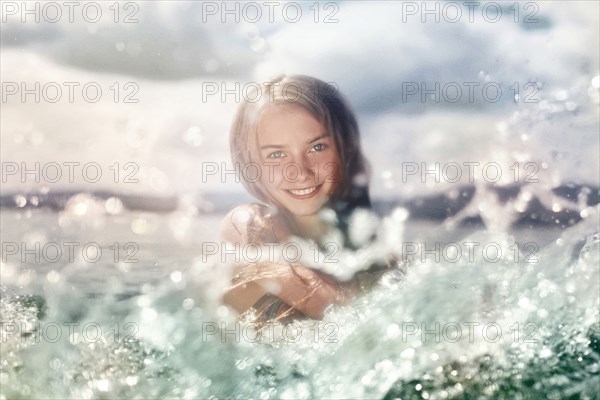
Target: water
{"points": [[144, 320], [515, 328]]}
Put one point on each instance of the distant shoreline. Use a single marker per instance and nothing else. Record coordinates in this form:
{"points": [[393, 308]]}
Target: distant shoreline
{"points": [[435, 207]]}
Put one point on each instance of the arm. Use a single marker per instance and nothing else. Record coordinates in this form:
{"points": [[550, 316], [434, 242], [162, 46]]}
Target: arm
{"points": [[305, 289]]}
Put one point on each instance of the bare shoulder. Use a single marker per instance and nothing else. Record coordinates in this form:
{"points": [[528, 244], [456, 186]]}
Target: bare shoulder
{"points": [[247, 223]]}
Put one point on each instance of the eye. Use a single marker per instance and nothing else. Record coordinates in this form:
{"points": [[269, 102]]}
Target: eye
{"points": [[276, 154], [319, 147]]}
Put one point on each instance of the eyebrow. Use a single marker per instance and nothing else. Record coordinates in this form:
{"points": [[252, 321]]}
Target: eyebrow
{"points": [[280, 146]]}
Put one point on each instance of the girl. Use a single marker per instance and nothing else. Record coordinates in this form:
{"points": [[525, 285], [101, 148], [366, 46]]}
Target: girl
{"points": [[303, 139]]}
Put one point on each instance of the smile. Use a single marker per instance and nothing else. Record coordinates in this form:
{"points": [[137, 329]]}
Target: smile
{"points": [[304, 193]]}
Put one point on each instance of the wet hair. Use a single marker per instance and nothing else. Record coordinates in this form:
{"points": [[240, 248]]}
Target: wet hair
{"points": [[325, 103]]}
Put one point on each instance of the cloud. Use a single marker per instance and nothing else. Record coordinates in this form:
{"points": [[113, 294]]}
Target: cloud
{"points": [[370, 54]]}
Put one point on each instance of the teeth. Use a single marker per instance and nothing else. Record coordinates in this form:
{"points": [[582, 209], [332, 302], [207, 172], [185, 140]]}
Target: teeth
{"points": [[303, 192]]}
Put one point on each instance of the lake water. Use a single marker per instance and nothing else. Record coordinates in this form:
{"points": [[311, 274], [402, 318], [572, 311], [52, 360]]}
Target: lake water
{"points": [[145, 322]]}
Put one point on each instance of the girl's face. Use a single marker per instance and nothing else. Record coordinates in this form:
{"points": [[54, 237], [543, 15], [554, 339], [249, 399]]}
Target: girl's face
{"points": [[300, 164]]}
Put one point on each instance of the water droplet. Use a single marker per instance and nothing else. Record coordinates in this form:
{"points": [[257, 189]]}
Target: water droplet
{"points": [[113, 205], [545, 352], [149, 314], [53, 276], [176, 276], [258, 44], [193, 136], [562, 95], [139, 226], [103, 385], [20, 201], [188, 304], [132, 380]]}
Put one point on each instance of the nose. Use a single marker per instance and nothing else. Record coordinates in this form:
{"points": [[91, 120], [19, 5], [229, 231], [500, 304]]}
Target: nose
{"points": [[306, 169]]}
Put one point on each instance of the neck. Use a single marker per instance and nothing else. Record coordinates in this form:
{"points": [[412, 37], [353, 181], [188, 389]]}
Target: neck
{"points": [[311, 226]]}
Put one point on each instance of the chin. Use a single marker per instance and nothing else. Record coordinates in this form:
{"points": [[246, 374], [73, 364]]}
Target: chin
{"points": [[304, 213]]}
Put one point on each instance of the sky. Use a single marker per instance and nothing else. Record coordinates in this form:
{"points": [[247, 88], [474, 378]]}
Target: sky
{"points": [[382, 55]]}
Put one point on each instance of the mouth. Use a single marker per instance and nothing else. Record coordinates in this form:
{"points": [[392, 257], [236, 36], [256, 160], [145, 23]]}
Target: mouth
{"points": [[305, 193]]}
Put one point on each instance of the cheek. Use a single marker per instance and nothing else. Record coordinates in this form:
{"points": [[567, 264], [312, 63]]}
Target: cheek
{"points": [[330, 168], [272, 174]]}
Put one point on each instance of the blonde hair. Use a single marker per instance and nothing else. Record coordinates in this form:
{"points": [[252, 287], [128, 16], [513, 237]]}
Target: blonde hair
{"points": [[324, 102]]}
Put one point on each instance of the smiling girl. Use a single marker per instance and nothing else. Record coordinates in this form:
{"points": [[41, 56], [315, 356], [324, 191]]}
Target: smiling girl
{"points": [[303, 139]]}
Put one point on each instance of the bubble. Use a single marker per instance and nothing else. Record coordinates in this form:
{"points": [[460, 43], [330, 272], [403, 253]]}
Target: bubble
{"points": [[113, 205], [83, 204], [361, 180], [188, 304], [132, 380], [545, 352], [55, 363], [102, 385], [176, 276], [53, 276], [20, 200], [241, 217], [119, 46], [193, 136], [393, 330], [143, 301], [363, 225], [158, 179], [562, 95], [139, 226], [149, 314], [242, 363], [367, 379], [258, 44], [400, 214]]}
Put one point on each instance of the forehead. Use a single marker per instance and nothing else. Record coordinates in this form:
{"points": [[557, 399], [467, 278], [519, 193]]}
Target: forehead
{"points": [[288, 125]]}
